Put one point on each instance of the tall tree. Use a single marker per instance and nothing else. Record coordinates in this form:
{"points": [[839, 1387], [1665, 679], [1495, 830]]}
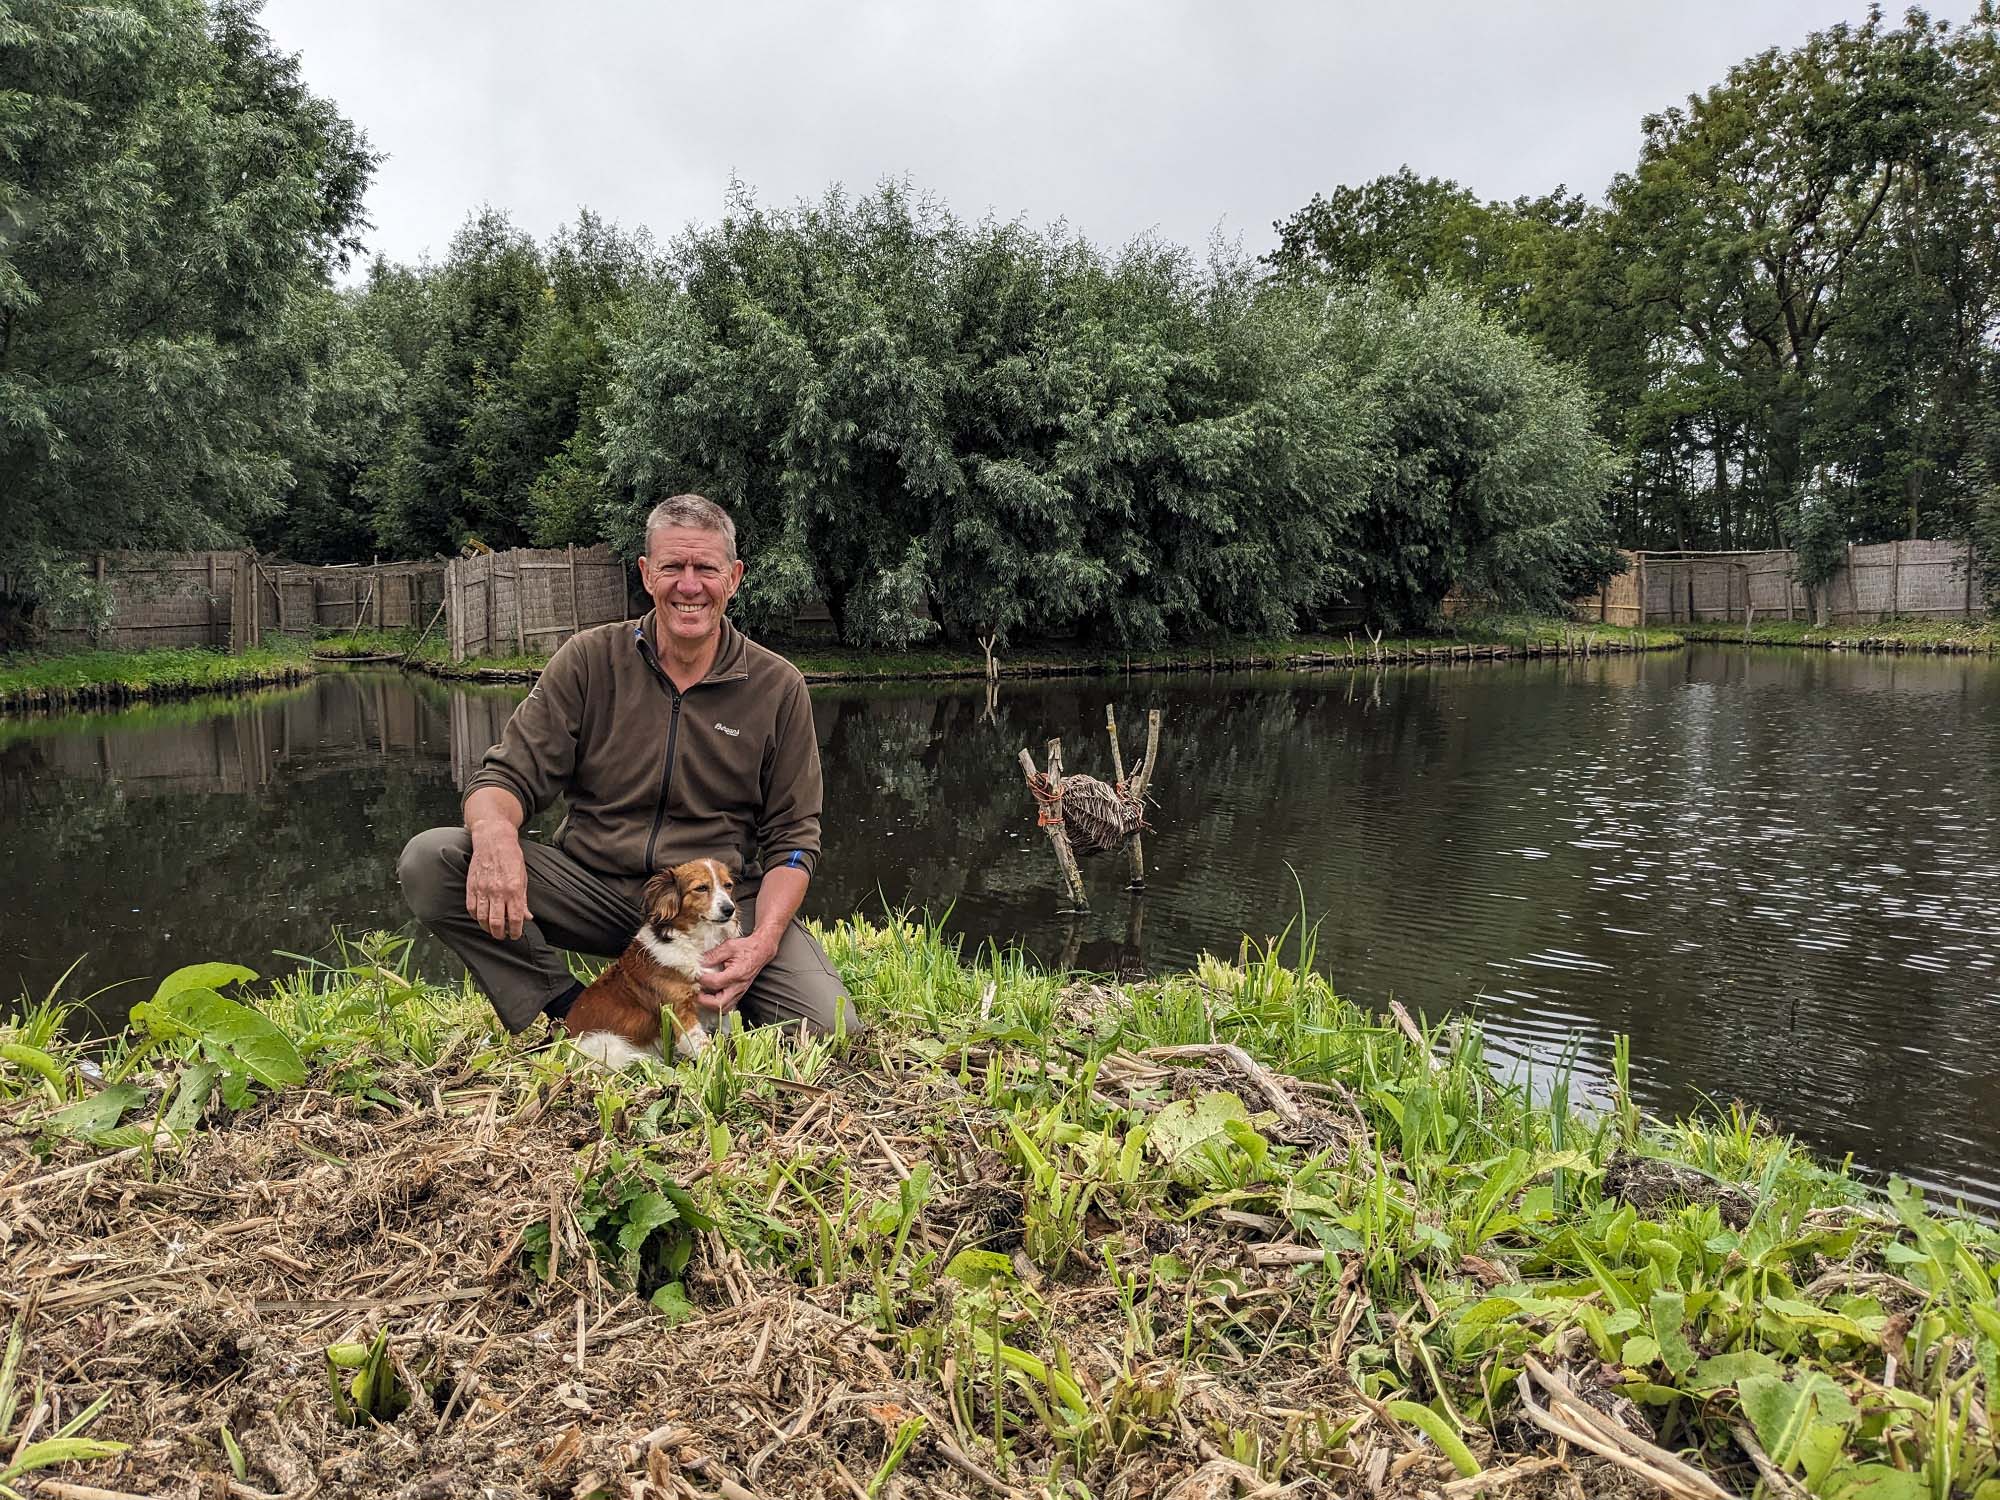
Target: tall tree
{"points": [[1797, 236], [170, 189]]}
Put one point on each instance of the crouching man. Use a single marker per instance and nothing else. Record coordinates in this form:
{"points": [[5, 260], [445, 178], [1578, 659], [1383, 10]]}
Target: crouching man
{"points": [[672, 739]]}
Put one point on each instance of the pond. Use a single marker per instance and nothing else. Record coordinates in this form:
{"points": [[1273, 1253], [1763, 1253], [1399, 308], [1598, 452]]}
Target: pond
{"points": [[1778, 873]]}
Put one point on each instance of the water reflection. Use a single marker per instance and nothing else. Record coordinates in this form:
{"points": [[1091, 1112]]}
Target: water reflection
{"points": [[1775, 872]]}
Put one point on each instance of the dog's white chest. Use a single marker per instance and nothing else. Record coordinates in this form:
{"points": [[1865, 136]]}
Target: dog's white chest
{"points": [[680, 954], [611, 1049]]}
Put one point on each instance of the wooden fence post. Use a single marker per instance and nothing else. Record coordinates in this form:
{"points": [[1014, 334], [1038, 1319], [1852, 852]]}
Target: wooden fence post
{"points": [[96, 629], [1971, 548], [575, 604], [520, 608], [1642, 590], [1853, 587], [1896, 577]]}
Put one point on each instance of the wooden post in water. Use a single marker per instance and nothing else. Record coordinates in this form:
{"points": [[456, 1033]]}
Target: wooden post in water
{"points": [[1049, 815], [1142, 779], [1118, 773]]}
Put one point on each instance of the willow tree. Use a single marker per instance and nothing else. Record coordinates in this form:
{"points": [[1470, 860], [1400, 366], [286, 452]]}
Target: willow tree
{"points": [[985, 431], [171, 188]]}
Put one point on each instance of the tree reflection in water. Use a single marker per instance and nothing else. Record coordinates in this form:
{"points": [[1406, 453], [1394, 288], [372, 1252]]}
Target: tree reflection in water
{"points": [[1775, 872]]}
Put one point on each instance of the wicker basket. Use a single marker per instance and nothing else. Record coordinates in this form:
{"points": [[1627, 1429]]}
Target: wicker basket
{"points": [[1096, 818]]}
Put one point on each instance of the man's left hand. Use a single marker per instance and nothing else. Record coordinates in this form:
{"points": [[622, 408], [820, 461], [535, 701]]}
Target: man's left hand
{"points": [[728, 969]]}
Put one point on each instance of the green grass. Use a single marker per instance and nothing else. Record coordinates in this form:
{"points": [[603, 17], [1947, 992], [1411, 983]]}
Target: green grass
{"points": [[1399, 1231], [1898, 634], [365, 643], [87, 677]]}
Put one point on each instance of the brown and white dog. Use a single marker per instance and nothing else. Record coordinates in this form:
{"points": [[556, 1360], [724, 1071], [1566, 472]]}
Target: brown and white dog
{"points": [[654, 989]]}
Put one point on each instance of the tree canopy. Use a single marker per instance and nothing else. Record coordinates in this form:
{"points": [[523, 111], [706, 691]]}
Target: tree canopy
{"points": [[1789, 304], [170, 193], [976, 429], [1779, 326]]}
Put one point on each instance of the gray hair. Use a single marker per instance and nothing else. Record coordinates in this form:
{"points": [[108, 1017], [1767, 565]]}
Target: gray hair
{"points": [[697, 512]]}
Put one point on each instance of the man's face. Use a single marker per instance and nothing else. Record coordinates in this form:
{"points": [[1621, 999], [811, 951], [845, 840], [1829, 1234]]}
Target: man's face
{"points": [[691, 579]]}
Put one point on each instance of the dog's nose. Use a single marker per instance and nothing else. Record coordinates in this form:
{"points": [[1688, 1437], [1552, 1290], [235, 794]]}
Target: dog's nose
{"points": [[728, 907]]}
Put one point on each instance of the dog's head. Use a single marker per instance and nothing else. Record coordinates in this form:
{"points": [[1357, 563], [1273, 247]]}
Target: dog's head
{"points": [[692, 895]]}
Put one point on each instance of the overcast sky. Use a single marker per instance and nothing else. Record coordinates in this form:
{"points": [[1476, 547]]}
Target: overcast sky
{"points": [[1185, 119]]}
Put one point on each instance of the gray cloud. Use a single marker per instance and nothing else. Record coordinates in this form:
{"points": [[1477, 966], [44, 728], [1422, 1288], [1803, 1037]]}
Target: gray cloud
{"points": [[1121, 118]]}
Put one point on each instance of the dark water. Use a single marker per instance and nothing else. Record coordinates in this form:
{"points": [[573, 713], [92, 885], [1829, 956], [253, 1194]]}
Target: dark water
{"points": [[1778, 873]]}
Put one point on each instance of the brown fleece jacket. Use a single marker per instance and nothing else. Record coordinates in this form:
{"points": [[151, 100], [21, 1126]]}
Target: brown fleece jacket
{"points": [[727, 770]]}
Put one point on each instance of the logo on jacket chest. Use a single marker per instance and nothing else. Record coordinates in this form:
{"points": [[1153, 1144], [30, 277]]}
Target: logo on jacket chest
{"points": [[732, 733]]}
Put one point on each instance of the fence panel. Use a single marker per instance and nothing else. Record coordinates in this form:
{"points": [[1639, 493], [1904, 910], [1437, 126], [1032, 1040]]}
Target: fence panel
{"points": [[306, 599], [161, 599], [531, 600], [1873, 582]]}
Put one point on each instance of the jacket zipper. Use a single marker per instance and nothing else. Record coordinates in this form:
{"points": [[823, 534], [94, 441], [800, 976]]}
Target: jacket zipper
{"points": [[673, 733]]}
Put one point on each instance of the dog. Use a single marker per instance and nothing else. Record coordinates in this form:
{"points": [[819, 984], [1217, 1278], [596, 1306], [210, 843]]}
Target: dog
{"points": [[655, 985]]}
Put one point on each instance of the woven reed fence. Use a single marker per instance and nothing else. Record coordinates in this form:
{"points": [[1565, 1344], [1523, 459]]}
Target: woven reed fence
{"points": [[308, 600], [233, 599], [162, 599], [530, 600], [1933, 579]]}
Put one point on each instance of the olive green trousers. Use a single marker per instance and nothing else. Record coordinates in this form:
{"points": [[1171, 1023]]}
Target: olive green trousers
{"points": [[571, 907]]}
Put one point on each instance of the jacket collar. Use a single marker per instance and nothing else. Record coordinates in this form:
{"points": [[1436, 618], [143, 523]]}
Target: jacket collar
{"points": [[732, 653]]}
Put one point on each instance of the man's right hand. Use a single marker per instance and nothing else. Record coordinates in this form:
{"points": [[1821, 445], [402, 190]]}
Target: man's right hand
{"points": [[496, 882]]}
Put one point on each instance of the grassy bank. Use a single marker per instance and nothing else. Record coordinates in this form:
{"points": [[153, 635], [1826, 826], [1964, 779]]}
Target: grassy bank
{"points": [[1946, 636], [91, 679], [1493, 639], [1023, 1237], [88, 679]]}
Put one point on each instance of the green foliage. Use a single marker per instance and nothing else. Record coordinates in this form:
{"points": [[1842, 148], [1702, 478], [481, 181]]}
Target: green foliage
{"points": [[1439, 1225], [172, 190], [1819, 543], [372, 1392], [1800, 276], [495, 435], [56, 679], [244, 1045], [978, 431], [1486, 473]]}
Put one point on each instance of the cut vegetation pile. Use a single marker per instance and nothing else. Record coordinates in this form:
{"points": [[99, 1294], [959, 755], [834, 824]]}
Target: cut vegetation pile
{"points": [[1220, 1234]]}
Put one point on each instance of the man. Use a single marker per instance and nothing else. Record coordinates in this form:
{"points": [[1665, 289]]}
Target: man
{"points": [[673, 739]]}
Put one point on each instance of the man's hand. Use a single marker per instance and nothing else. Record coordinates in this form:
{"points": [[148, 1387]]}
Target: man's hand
{"points": [[496, 882], [730, 967]]}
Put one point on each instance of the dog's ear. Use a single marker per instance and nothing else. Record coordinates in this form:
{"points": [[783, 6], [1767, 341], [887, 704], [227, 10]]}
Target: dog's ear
{"points": [[663, 895]]}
